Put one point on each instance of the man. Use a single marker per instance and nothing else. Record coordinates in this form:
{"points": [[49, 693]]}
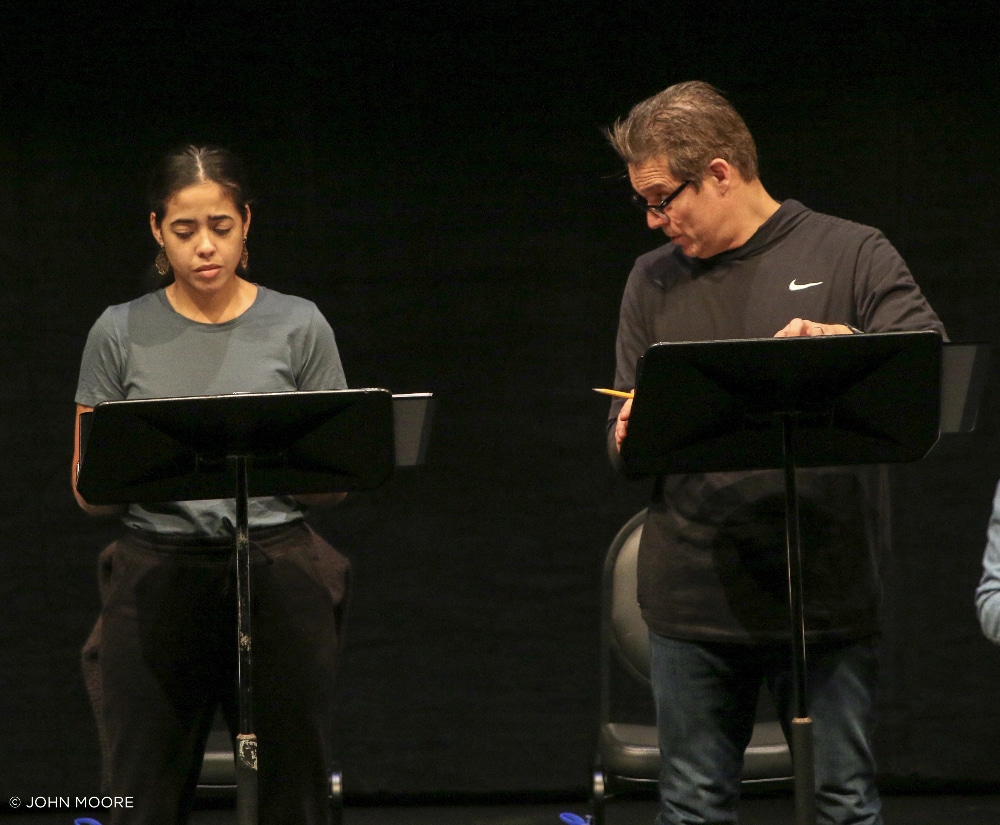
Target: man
{"points": [[712, 565]]}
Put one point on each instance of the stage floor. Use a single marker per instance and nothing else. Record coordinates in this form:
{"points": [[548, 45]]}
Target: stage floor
{"points": [[934, 809]]}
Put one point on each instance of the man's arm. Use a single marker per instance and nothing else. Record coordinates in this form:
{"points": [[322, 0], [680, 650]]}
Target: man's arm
{"points": [[631, 343], [889, 299]]}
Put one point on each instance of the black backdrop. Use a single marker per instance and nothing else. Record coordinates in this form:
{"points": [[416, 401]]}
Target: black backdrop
{"points": [[433, 176]]}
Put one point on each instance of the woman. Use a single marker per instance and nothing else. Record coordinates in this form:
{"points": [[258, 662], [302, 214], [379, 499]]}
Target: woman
{"points": [[163, 656]]}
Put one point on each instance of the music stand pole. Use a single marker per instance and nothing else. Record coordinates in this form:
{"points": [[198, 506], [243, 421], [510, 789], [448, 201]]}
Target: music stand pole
{"points": [[801, 724], [246, 739]]}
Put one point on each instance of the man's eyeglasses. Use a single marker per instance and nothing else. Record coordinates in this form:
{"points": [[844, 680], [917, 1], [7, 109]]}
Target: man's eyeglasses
{"points": [[658, 209]]}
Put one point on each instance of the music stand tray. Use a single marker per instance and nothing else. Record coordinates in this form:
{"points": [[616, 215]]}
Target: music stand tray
{"points": [[718, 405], [175, 449]]}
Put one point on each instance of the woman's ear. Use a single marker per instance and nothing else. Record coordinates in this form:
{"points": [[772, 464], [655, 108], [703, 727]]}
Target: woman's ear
{"points": [[155, 228]]}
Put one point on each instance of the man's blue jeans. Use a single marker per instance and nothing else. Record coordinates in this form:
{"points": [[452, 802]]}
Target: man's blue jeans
{"points": [[706, 701]]}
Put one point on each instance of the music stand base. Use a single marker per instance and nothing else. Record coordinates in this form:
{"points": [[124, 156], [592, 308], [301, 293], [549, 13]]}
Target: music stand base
{"points": [[802, 761], [246, 779]]}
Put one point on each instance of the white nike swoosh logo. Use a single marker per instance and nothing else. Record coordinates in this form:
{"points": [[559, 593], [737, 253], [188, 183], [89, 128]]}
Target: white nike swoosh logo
{"points": [[794, 286]]}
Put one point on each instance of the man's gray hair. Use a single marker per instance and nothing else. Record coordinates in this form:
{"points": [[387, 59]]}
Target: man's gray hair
{"points": [[690, 124]]}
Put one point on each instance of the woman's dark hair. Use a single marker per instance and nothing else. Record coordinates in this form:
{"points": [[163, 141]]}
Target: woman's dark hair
{"points": [[191, 165]]}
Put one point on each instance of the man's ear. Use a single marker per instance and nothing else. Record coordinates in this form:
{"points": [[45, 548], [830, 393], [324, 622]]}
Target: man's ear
{"points": [[721, 172]]}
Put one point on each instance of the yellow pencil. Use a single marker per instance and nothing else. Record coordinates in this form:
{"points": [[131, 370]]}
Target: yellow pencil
{"points": [[615, 393]]}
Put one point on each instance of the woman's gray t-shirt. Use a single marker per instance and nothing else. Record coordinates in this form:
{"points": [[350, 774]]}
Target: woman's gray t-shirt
{"points": [[146, 349]]}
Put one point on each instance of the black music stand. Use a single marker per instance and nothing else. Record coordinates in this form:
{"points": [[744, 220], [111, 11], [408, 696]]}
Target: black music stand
{"points": [[237, 446], [786, 403]]}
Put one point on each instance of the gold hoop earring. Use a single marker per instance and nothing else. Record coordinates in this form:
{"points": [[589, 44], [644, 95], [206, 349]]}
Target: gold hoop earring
{"points": [[161, 263], [245, 257]]}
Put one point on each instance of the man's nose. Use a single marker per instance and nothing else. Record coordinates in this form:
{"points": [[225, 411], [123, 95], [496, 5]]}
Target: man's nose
{"points": [[655, 220]]}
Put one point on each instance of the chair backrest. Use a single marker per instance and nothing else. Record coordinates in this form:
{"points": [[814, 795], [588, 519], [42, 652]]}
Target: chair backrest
{"points": [[625, 630]]}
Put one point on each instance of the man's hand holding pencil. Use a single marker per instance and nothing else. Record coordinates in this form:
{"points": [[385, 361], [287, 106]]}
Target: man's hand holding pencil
{"points": [[621, 426]]}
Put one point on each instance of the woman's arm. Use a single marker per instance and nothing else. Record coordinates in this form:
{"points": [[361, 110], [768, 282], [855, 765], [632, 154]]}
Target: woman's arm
{"points": [[320, 499], [92, 509]]}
